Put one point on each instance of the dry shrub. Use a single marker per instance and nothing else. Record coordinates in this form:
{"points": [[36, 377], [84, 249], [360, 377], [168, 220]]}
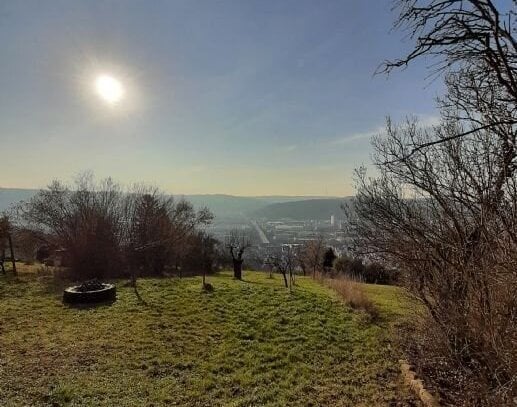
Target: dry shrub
{"points": [[352, 294], [455, 382], [107, 231], [44, 271], [439, 217], [443, 208]]}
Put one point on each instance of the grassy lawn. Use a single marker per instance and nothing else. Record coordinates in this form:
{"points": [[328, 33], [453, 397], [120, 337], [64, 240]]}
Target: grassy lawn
{"points": [[248, 343]]}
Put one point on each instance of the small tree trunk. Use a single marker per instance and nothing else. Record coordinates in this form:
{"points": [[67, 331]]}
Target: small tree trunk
{"points": [[12, 253], [2, 257], [285, 279], [204, 273], [237, 269], [133, 277]]}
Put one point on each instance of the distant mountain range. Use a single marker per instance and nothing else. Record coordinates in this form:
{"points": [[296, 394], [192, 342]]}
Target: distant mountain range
{"points": [[11, 196], [229, 206], [318, 208]]}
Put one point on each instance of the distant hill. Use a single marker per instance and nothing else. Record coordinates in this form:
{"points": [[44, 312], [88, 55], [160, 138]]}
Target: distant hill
{"points": [[230, 206], [11, 196], [319, 208], [222, 206], [225, 206]]}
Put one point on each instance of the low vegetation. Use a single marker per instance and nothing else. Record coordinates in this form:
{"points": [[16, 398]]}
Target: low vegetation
{"points": [[246, 343], [352, 293]]}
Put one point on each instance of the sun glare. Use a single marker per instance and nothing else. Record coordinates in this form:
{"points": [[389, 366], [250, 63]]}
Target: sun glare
{"points": [[109, 89]]}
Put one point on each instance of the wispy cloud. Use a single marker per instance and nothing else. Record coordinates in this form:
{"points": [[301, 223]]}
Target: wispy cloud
{"points": [[357, 136], [423, 120]]}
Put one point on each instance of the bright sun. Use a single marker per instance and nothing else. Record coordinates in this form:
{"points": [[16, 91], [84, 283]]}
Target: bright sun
{"points": [[109, 88]]}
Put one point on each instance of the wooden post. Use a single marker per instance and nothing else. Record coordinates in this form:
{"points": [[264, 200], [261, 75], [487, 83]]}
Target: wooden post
{"points": [[12, 252]]}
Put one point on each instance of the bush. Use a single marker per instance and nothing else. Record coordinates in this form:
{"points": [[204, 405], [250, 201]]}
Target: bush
{"points": [[372, 273], [105, 231]]}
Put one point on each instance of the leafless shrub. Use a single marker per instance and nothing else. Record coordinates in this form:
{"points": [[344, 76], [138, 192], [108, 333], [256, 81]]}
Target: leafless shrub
{"points": [[371, 273], [311, 255], [85, 221], [446, 217], [109, 232], [444, 208], [158, 229]]}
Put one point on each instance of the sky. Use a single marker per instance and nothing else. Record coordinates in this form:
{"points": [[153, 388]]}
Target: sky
{"points": [[267, 97]]}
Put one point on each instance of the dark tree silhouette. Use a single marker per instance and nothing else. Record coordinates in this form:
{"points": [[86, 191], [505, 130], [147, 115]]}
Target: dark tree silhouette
{"points": [[237, 243], [328, 259], [474, 44]]}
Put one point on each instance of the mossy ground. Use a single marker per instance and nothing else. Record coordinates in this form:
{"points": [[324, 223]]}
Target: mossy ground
{"points": [[247, 343]]}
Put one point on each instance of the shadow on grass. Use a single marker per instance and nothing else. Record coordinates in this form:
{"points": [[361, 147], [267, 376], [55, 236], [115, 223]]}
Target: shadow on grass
{"points": [[267, 284], [89, 306]]}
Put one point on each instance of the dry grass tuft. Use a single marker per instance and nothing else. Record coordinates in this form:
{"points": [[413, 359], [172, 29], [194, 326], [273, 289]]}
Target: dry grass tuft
{"points": [[352, 294]]}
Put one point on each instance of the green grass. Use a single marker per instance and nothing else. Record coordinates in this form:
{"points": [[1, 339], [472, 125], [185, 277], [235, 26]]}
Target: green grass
{"points": [[248, 343], [394, 303]]}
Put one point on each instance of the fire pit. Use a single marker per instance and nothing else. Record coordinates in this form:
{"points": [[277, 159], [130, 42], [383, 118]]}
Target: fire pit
{"points": [[89, 292]]}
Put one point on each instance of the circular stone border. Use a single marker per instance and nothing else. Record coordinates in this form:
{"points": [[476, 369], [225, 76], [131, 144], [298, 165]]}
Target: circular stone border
{"points": [[72, 295]]}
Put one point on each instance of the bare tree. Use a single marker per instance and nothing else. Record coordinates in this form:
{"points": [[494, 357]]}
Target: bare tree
{"points": [[473, 43], [443, 209], [284, 260], [158, 230], [311, 255], [237, 243], [447, 218]]}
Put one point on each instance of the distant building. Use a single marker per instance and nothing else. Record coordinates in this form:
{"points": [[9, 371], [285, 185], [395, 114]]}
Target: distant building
{"points": [[332, 220]]}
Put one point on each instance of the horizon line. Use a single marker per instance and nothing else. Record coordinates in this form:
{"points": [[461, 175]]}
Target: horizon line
{"points": [[215, 194]]}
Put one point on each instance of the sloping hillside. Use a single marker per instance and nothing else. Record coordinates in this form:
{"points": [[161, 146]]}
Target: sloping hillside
{"points": [[248, 343], [306, 209], [225, 205]]}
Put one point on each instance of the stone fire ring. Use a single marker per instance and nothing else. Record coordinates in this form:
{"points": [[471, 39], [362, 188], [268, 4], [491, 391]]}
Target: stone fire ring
{"points": [[72, 295]]}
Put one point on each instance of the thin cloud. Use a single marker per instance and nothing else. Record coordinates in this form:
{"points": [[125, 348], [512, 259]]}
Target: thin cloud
{"points": [[357, 136], [423, 120]]}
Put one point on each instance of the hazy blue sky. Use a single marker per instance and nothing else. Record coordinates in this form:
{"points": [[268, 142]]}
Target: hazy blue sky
{"points": [[240, 97]]}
